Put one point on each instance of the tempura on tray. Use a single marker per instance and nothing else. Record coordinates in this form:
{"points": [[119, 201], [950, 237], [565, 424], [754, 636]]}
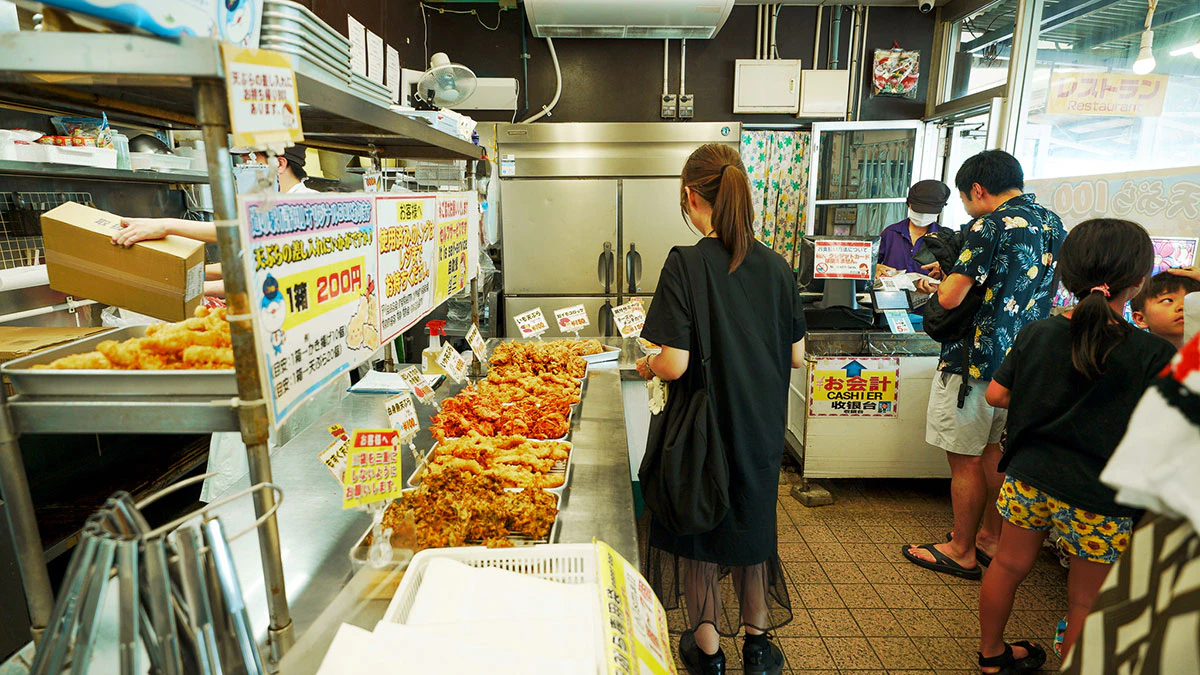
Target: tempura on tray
{"points": [[199, 343], [515, 461]]}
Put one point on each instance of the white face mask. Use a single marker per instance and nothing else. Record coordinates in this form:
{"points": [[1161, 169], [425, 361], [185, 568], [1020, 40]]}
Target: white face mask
{"points": [[921, 219]]}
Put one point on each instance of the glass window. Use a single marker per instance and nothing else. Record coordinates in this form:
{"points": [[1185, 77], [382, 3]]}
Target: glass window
{"points": [[967, 138], [1087, 111], [978, 53], [859, 165]]}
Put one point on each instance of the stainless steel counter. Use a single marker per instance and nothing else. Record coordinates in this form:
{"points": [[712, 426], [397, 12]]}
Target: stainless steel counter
{"points": [[869, 343], [316, 534]]}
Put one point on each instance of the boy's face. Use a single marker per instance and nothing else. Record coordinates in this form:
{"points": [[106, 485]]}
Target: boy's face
{"points": [[1163, 315]]}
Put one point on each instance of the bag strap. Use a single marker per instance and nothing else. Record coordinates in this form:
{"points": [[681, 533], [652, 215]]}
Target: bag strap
{"points": [[695, 279]]}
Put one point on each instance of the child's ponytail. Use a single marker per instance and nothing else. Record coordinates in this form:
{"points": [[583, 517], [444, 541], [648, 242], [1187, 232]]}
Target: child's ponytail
{"points": [[1101, 259]]}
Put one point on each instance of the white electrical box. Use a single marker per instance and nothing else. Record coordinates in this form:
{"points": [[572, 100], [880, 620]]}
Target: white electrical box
{"points": [[766, 86], [824, 93]]}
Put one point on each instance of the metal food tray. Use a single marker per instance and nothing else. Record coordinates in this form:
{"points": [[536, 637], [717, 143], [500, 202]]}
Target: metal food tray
{"points": [[563, 467], [609, 354], [295, 10], [282, 17], [360, 551], [304, 51], [365, 84], [289, 35], [105, 383]]}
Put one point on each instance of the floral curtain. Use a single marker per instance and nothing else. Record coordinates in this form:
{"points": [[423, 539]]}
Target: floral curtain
{"points": [[778, 163]]}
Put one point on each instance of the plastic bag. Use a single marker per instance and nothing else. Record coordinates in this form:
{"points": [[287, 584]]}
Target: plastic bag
{"points": [[115, 317], [227, 459], [80, 128], [895, 72]]}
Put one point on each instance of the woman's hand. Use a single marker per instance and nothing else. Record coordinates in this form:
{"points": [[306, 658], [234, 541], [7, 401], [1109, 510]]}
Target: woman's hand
{"points": [[1189, 272], [139, 229], [643, 368]]}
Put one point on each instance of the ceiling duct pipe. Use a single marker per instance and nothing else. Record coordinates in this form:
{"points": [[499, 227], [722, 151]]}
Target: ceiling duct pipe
{"points": [[835, 38]]}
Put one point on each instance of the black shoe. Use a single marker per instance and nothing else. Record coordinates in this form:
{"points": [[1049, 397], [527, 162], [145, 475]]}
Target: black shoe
{"points": [[695, 660], [762, 657]]}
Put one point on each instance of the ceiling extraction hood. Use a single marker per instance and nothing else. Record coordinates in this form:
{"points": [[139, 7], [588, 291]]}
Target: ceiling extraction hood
{"points": [[651, 19]]}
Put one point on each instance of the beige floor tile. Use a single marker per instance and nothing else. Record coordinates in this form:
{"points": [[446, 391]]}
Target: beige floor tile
{"points": [[818, 596], [880, 573], [939, 597], [899, 596], [945, 654], [835, 623], [795, 552], [805, 573], [843, 573], [852, 653], [806, 654], [863, 552], [851, 534], [959, 622], [884, 534], [801, 625], [898, 653], [919, 623], [829, 552], [816, 534], [860, 596], [877, 623]]}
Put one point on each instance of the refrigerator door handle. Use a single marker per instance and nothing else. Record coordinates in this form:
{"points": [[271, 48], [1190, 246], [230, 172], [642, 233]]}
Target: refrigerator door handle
{"points": [[607, 326], [633, 268], [606, 267]]}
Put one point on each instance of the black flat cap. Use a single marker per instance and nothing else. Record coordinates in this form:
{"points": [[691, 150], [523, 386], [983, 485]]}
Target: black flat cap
{"points": [[928, 196], [295, 155]]}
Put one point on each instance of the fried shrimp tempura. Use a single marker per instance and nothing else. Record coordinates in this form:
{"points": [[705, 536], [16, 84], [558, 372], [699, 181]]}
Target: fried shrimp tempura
{"points": [[201, 342]]}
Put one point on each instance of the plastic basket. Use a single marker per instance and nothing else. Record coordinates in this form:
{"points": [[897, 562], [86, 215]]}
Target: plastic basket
{"points": [[563, 563]]}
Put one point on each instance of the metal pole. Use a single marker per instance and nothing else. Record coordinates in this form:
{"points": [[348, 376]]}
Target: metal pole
{"points": [[213, 115], [31, 557]]}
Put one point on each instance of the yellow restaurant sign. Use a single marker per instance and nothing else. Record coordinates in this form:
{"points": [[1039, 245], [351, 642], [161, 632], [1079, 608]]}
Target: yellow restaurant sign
{"points": [[264, 109], [1115, 94]]}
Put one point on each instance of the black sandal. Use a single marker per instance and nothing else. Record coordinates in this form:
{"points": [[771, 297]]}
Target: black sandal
{"points": [[1012, 666], [943, 563], [983, 558]]}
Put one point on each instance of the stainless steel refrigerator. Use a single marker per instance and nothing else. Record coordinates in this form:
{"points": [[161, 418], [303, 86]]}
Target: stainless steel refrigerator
{"points": [[589, 212]]}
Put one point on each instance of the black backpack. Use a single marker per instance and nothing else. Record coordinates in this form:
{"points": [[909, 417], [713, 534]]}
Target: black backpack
{"points": [[941, 324]]}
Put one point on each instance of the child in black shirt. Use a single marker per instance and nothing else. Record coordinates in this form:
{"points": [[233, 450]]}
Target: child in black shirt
{"points": [[1070, 384]]}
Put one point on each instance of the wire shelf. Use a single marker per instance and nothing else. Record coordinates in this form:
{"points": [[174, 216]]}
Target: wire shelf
{"points": [[21, 227]]}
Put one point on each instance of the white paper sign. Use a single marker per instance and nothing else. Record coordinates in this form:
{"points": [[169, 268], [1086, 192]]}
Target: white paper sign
{"points": [[629, 318], [417, 381], [402, 415], [264, 109], [531, 323], [453, 363], [393, 73], [374, 58], [478, 346], [834, 259], [572, 319], [898, 321], [372, 181], [334, 458], [358, 46]]}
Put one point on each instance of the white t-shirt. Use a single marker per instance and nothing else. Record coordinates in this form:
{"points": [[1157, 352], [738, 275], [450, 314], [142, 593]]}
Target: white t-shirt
{"points": [[300, 188]]}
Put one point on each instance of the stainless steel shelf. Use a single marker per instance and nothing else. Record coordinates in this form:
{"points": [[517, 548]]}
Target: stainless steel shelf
{"points": [[147, 79], [132, 414], [8, 168]]}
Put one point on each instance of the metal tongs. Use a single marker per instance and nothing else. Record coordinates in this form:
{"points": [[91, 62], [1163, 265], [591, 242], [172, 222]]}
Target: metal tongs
{"points": [[178, 595]]}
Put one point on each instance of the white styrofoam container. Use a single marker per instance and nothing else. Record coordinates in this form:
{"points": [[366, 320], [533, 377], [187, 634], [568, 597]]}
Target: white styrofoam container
{"points": [[159, 162], [30, 152]]}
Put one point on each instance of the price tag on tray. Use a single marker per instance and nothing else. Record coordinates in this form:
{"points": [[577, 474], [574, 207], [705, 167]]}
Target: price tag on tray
{"points": [[402, 415], [531, 323], [453, 363], [416, 380], [478, 346], [629, 318], [372, 468], [339, 431], [334, 457], [572, 319]]}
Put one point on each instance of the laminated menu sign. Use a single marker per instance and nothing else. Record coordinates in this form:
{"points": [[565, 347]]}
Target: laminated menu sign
{"points": [[572, 319], [311, 271], [531, 323], [416, 380], [636, 639], [452, 362], [851, 386], [453, 268], [402, 415], [478, 346], [264, 109], [407, 258], [334, 457], [842, 259], [372, 468], [629, 317]]}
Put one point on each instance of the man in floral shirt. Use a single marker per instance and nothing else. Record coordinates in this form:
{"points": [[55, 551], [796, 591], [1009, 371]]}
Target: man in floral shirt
{"points": [[1009, 250]]}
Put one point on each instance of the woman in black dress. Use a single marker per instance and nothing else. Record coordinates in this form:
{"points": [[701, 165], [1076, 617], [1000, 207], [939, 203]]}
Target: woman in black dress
{"points": [[756, 326]]}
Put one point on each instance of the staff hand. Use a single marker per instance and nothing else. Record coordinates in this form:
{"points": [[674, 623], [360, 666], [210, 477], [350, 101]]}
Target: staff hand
{"points": [[139, 229], [1189, 272]]}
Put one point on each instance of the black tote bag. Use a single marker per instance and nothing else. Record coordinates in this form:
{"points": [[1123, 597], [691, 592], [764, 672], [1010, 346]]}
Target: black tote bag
{"points": [[685, 472]]}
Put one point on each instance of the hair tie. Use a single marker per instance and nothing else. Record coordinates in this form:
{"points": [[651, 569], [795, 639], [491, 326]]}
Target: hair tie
{"points": [[723, 167], [1103, 288]]}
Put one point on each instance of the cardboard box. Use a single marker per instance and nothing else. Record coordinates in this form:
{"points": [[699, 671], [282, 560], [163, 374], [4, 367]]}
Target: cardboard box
{"points": [[163, 278]]}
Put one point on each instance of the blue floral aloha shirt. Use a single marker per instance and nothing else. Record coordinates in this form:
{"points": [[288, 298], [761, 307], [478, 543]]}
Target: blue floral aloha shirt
{"points": [[1011, 252]]}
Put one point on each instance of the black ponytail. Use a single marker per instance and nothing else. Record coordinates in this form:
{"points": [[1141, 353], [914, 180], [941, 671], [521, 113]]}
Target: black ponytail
{"points": [[1101, 259]]}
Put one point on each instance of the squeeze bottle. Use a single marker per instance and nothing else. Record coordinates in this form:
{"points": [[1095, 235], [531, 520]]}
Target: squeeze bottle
{"points": [[429, 356]]}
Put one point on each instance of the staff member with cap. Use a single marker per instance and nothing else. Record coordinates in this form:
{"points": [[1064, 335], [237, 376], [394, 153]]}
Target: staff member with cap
{"points": [[899, 242]]}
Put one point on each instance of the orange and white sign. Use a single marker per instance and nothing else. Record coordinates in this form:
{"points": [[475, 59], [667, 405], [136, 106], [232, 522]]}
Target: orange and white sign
{"points": [[264, 109], [838, 259], [1118, 94]]}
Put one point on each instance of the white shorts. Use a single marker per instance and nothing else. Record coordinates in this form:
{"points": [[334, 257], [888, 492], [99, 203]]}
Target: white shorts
{"points": [[963, 431]]}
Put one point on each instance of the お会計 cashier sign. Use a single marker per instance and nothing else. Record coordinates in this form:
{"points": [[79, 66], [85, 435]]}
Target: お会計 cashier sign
{"points": [[849, 386]]}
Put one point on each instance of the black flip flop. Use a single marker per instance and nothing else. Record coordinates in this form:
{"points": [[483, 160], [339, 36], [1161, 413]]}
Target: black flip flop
{"points": [[943, 564], [1009, 665], [983, 558]]}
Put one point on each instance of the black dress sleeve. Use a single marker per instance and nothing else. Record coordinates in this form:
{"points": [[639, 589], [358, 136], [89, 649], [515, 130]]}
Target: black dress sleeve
{"points": [[668, 321]]}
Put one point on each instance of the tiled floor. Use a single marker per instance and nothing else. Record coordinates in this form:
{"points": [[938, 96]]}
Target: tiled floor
{"points": [[860, 607]]}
